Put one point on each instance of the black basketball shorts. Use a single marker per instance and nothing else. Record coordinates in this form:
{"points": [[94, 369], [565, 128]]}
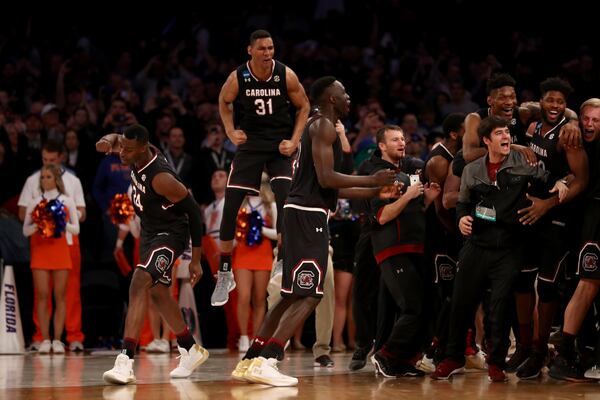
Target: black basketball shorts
{"points": [[247, 167], [588, 265], [158, 254], [305, 250]]}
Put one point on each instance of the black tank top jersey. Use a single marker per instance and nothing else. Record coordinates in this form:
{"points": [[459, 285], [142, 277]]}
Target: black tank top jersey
{"points": [[157, 214], [305, 190], [458, 164], [263, 108], [518, 131], [436, 232], [439, 150], [593, 154], [545, 148]]}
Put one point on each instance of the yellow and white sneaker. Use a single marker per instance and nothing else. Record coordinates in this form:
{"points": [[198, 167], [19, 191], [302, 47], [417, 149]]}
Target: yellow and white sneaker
{"points": [[265, 371], [425, 364], [189, 361], [240, 370], [476, 361]]}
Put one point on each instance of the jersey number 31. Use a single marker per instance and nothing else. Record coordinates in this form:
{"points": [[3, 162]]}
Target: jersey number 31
{"points": [[264, 107]]}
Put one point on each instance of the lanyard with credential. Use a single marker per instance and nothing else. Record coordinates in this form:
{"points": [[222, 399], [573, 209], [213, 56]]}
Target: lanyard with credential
{"points": [[172, 162], [219, 159]]}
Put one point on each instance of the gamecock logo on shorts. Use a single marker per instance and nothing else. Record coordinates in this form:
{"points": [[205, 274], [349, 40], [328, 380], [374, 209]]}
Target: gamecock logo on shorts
{"points": [[306, 279], [446, 272], [446, 267], [590, 262], [162, 262], [588, 257]]}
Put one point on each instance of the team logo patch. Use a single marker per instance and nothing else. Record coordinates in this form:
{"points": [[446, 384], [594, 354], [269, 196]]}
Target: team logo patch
{"points": [[306, 277], [588, 257], [446, 267], [276, 78], [306, 280], [143, 177], [551, 136], [590, 262], [446, 272], [162, 262], [513, 121]]}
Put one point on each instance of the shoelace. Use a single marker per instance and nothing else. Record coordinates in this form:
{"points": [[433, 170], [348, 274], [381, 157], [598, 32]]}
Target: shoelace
{"points": [[180, 355]]}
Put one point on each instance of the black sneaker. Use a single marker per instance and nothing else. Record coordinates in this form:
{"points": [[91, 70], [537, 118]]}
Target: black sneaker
{"points": [[533, 366], [382, 365], [359, 359], [556, 338], [324, 361], [407, 370], [389, 369], [517, 359], [567, 370]]}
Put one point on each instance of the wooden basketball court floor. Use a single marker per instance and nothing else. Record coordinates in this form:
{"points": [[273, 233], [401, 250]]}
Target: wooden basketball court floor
{"points": [[79, 376]]}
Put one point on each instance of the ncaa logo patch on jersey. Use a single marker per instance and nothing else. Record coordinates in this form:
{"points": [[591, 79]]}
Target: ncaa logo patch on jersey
{"points": [[276, 78], [551, 136], [588, 257], [246, 76], [143, 177]]}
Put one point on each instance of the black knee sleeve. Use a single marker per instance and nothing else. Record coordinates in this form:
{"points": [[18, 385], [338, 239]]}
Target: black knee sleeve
{"points": [[547, 291], [233, 201], [524, 282], [281, 189]]}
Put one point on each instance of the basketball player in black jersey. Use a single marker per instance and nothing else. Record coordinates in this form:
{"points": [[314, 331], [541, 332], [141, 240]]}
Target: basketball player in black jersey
{"points": [[567, 365], [315, 188], [169, 215], [502, 101], [261, 91], [548, 220], [443, 240]]}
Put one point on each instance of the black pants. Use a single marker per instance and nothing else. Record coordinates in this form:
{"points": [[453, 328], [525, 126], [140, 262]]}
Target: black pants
{"points": [[402, 279], [364, 292], [479, 267]]}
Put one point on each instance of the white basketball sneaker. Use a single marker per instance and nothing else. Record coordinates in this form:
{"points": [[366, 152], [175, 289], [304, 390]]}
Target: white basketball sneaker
{"points": [[265, 371], [121, 373], [189, 361]]}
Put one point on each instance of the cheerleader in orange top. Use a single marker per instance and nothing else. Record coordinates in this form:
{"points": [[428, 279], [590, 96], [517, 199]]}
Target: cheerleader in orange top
{"points": [[252, 259], [50, 258]]}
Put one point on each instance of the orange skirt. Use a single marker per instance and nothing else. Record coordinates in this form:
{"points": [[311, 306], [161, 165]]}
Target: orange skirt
{"points": [[50, 253], [255, 258]]}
